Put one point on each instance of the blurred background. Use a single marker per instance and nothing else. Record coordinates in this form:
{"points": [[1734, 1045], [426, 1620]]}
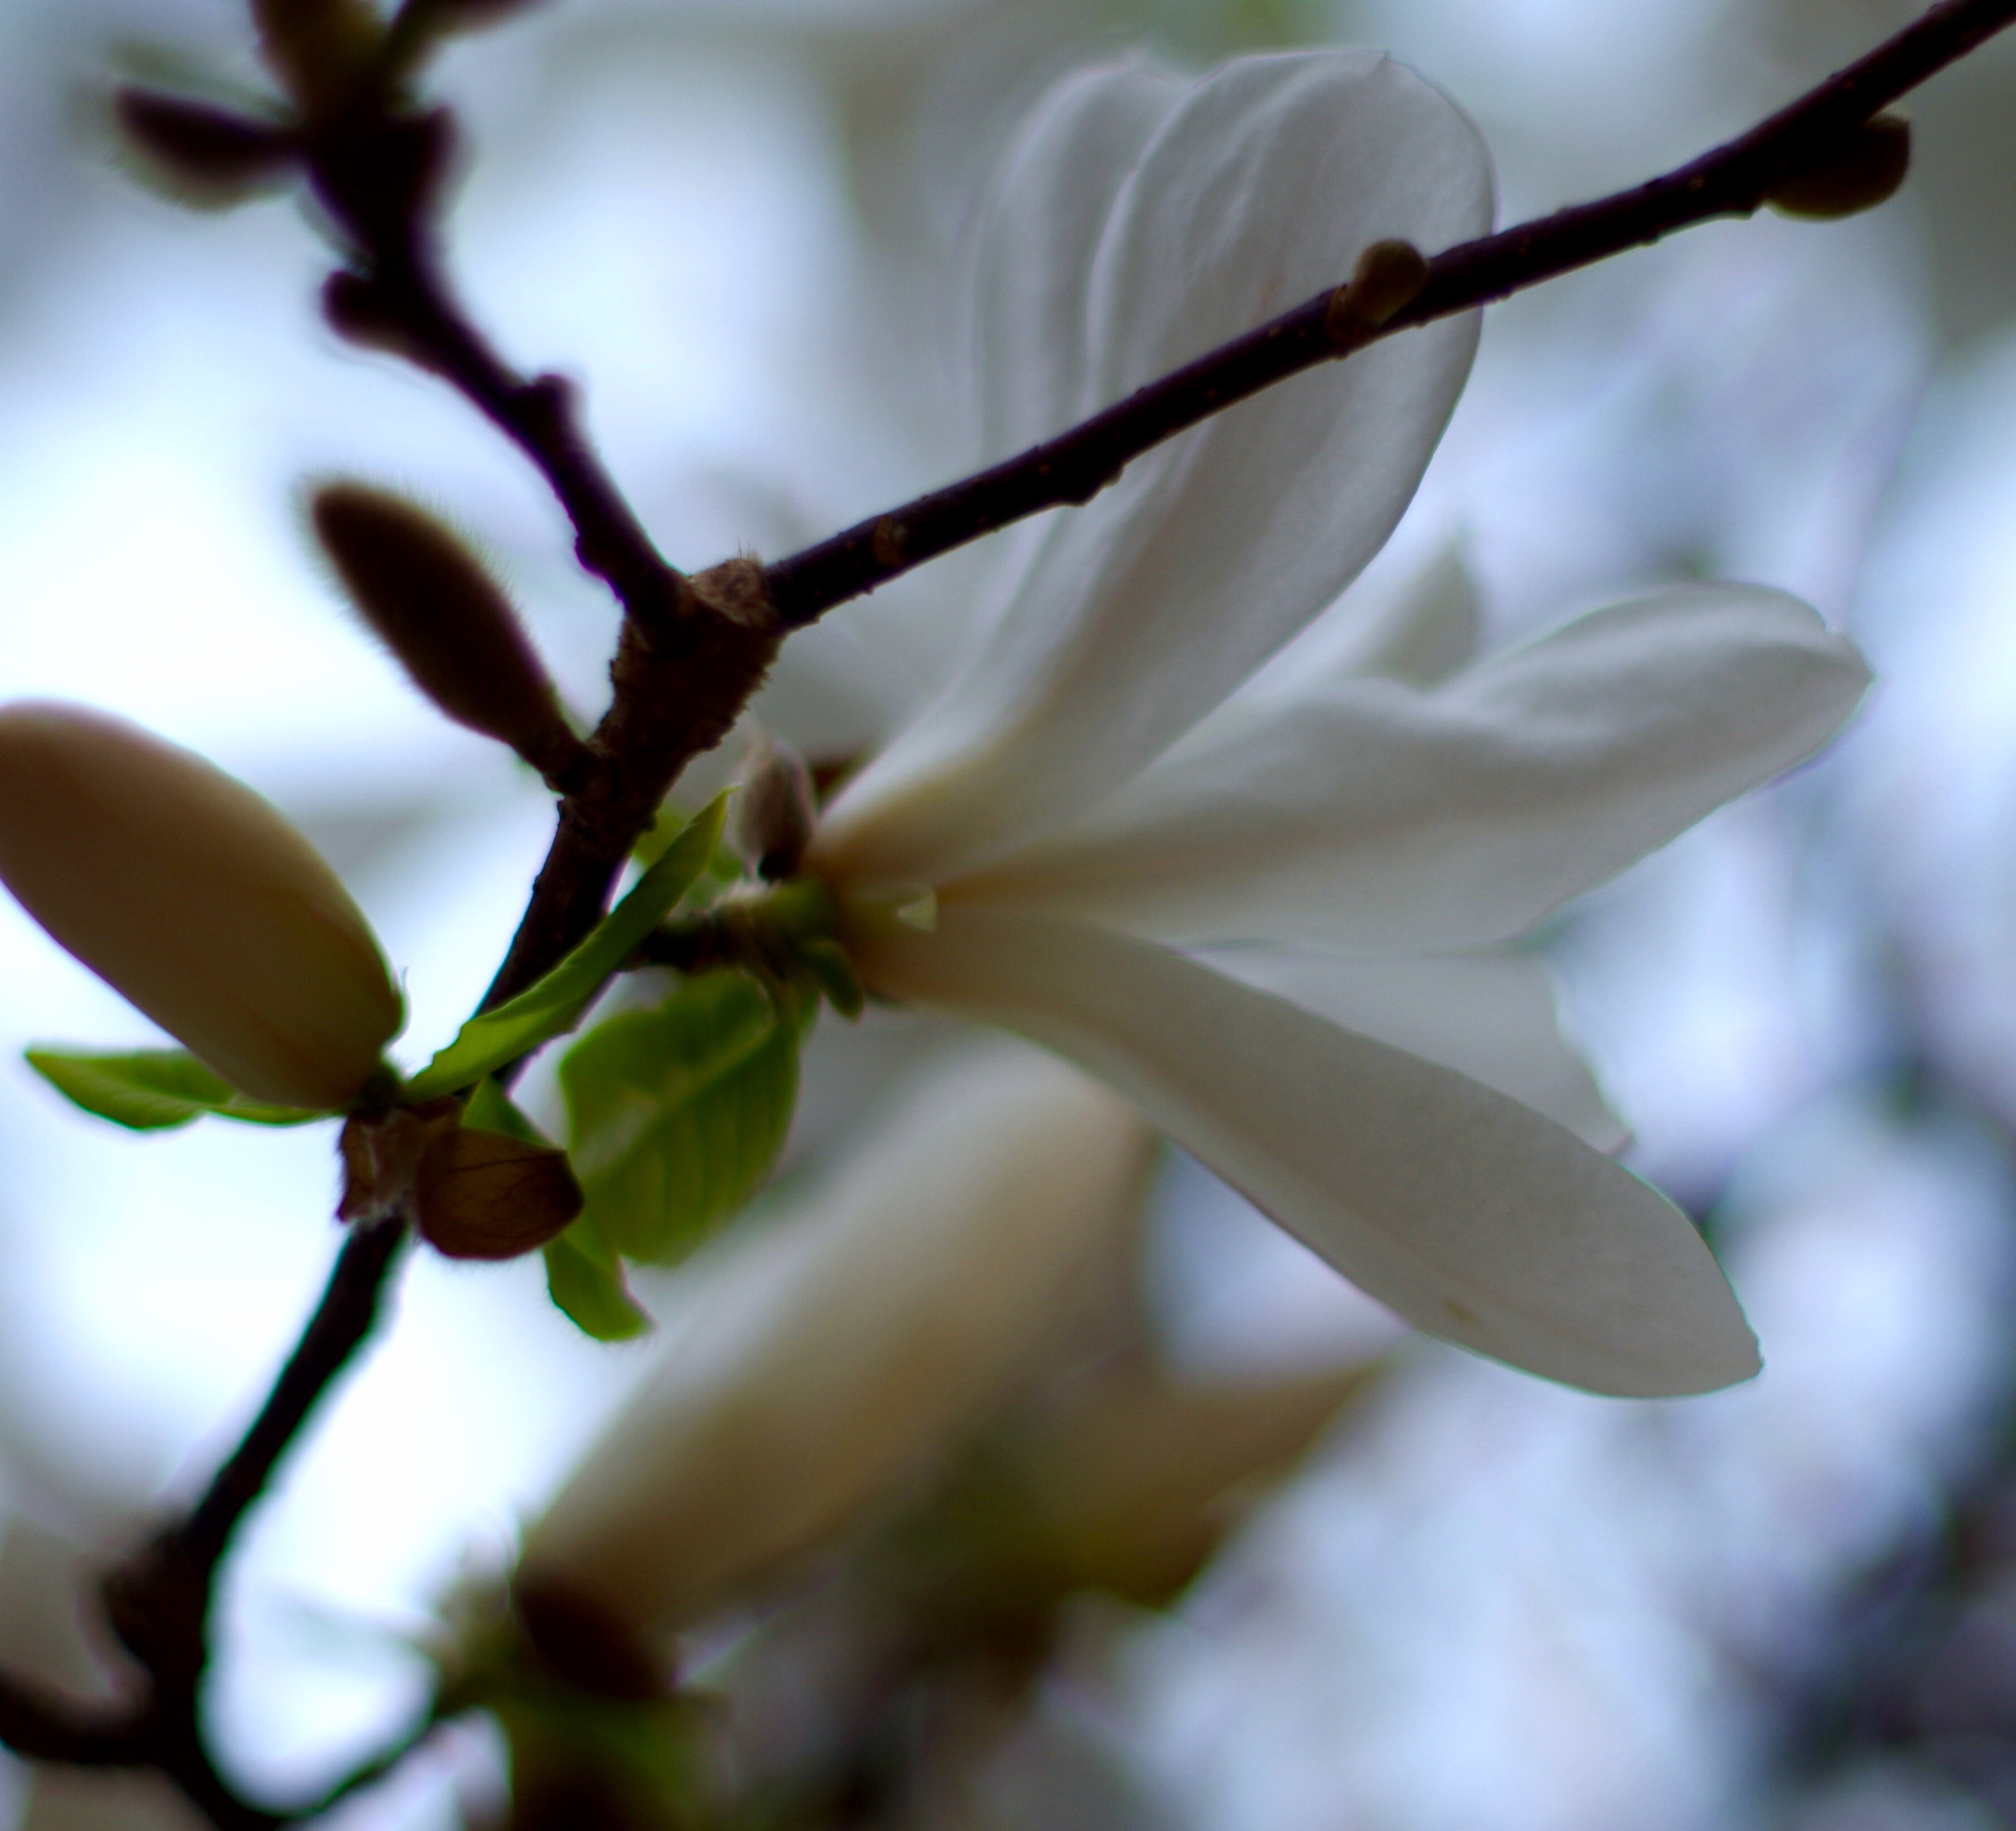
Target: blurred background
{"points": [[1483, 1601]]}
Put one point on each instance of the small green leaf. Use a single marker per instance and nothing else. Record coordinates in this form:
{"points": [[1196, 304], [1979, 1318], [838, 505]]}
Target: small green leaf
{"points": [[490, 1110], [592, 1295], [155, 1089], [676, 1113], [555, 1003]]}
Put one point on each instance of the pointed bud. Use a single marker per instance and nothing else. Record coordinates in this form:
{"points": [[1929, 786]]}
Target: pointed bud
{"points": [[201, 155], [440, 613], [772, 818], [196, 899], [484, 1195], [321, 50], [1863, 170]]}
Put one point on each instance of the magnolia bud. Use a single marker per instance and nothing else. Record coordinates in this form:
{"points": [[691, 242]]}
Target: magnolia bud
{"points": [[1863, 170], [196, 899], [320, 49], [484, 1195], [437, 608], [1387, 275], [772, 818], [203, 154]]}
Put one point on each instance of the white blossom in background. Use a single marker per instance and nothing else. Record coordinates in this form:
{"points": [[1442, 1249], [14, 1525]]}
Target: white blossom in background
{"points": [[814, 1361], [1101, 782]]}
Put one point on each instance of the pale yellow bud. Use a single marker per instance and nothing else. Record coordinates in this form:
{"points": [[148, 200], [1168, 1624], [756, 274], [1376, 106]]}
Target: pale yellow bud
{"points": [[1388, 275], [196, 899], [437, 608]]}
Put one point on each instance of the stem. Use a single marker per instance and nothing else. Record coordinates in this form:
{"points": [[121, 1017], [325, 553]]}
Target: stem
{"points": [[343, 1319]]}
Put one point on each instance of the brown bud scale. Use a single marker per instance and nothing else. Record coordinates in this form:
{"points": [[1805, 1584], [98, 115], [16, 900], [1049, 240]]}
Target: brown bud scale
{"points": [[484, 1195]]}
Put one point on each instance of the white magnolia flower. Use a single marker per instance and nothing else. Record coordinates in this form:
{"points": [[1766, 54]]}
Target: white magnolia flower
{"points": [[1101, 782], [815, 1361]]}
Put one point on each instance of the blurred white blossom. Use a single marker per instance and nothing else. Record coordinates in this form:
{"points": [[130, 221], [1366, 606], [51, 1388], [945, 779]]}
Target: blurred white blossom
{"points": [[813, 1359]]}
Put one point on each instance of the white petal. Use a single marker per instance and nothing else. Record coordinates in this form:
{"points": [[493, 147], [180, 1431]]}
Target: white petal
{"points": [[1366, 816], [1133, 617], [1488, 1016], [1425, 632], [1040, 230], [1475, 1218], [816, 1360]]}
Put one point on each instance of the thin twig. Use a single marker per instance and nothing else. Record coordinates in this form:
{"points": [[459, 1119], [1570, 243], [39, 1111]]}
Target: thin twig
{"points": [[346, 1315], [1735, 179]]}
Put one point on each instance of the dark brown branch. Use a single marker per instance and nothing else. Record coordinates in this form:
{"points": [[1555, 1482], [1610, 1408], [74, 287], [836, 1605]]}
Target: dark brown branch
{"points": [[377, 172], [158, 1599], [1735, 179], [692, 649], [343, 1319]]}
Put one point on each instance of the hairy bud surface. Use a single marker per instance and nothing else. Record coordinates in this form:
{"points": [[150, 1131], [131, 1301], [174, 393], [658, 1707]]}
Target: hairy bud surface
{"points": [[447, 621], [196, 899]]}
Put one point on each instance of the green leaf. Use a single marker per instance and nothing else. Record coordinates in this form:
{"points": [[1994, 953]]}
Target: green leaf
{"points": [[555, 1003], [155, 1089], [592, 1295], [490, 1110], [676, 1113]]}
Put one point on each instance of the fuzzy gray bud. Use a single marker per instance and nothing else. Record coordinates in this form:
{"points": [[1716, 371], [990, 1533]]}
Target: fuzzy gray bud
{"points": [[446, 621], [199, 153]]}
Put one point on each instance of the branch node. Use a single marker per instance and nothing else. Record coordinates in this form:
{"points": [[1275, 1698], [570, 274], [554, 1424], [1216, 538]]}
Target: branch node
{"points": [[1389, 276], [891, 540]]}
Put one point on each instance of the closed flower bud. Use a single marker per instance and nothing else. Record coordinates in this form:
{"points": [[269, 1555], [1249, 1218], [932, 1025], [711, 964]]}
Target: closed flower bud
{"points": [[1862, 171], [774, 814], [320, 49], [450, 625], [196, 899], [202, 155]]}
